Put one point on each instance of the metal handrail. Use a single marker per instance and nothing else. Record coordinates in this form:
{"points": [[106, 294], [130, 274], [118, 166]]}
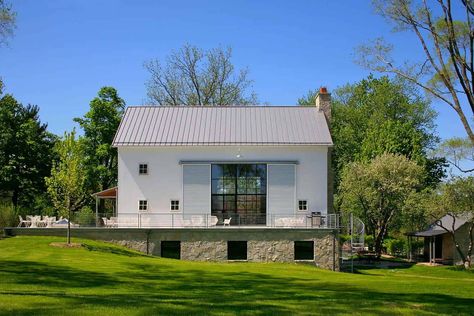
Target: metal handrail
{"points": [[206, 220]]}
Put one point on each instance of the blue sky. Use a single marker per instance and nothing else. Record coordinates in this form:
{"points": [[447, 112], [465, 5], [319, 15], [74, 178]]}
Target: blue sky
{"points": [[64, 51]]}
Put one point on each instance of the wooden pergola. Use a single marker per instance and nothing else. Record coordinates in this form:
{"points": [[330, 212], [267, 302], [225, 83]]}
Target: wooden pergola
{"points": [[107, 194]]}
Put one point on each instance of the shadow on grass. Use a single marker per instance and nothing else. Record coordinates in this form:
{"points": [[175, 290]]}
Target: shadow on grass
{"points": [[162, 288], [113, 249], [35, 273], [461, 269]]}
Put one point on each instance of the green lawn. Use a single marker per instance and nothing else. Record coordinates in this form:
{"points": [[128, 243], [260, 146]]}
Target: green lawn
{"points": [[36, 278]]}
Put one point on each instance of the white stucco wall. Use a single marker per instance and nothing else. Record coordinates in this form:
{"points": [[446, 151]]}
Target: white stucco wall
{"points": [[164, 181]]}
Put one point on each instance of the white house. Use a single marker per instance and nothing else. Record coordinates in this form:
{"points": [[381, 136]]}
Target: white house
{"points": [[237, 165]]}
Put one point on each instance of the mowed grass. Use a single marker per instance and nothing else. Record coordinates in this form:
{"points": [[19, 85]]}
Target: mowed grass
{"points": [[104, 279]]}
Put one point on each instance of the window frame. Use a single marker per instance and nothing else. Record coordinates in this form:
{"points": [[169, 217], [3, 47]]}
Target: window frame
{"points": [[235, 258], [171, 205], [170, 242], [144, 205], [140, 169], [304, 203], [299, 256]]}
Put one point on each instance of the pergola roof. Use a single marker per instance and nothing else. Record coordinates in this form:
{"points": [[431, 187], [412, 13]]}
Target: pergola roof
{"points": [[110, 193]]}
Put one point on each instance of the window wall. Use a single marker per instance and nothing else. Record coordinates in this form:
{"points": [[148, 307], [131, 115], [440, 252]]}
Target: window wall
{"points": [[239, 191]]}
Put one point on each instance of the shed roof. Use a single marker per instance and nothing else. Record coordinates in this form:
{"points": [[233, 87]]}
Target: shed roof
{"points": [[222, 125]]}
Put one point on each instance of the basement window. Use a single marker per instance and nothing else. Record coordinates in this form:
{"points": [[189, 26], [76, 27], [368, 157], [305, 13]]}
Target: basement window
{"points": [[236, 250], [143, 205], [143, 169], [304, 250], [171, 249], [302, 205], [174, 205]]}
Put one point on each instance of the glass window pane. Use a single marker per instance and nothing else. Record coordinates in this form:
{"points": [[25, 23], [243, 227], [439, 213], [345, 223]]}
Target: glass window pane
{"points": [[217, 186], [229, 170], [217, 202], [217, 171]]}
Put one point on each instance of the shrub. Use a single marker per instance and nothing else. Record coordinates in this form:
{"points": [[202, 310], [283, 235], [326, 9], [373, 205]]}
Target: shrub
{"points": [[8, 215], [85, 217], [396, 247], [369, 241]]}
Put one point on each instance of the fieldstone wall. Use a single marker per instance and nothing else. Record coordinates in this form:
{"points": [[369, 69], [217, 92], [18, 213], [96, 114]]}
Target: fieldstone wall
{"points": [[462, 237], [263, 245], [326, 252], [138, 245], [204, 250], [270, 250]]}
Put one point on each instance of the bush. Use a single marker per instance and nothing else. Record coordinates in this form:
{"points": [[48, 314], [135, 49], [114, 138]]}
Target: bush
{"points": [[369, 241], [344, 238], [396, 247], [8, 215], [85, 217]]}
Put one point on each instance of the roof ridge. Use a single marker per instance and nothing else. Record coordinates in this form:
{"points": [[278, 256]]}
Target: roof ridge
{"points": [[296, 106]]}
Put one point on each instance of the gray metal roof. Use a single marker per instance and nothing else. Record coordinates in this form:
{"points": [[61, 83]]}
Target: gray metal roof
{"points": [[436, 228], [229, 125]]}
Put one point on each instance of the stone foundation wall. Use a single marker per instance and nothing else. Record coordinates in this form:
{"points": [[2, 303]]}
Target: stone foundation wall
{"points": [[263, 245], [270, 251], [326, 252], [204, 250]]}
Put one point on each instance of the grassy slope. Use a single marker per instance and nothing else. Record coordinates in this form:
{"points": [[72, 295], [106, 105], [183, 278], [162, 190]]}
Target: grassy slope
{"points": [[102, 278]]}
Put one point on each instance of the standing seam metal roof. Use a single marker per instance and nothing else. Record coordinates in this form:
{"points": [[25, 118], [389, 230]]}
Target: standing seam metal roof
{"points": [[222, 125]]}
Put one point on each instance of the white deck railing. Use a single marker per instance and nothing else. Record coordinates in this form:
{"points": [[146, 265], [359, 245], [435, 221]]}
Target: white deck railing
{"points": [[179, 220]]}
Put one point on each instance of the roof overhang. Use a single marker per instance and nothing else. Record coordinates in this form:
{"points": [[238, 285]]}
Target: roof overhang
{"points": [[110, 193]]}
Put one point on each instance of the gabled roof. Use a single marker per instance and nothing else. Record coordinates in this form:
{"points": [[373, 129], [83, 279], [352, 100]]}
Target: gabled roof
{"points": [[229, 125], [436, 228]]}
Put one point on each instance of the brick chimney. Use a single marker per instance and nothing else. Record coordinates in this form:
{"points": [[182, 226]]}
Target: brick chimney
{"points": [[323, 103]]}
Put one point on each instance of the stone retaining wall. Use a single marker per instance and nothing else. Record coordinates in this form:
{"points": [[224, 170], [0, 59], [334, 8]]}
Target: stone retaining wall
{"points": [[263, 244]]}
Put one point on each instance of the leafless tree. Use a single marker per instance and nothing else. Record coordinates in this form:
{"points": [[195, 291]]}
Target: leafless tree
{"points": [[191, 76], [445, 31]]}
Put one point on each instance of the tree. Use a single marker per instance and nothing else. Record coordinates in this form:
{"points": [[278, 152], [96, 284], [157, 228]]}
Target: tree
{"points": [[66, 185], [459, 152], [100, 124], [445, 31], [455, 198], [377, 190], [7, 21], [26, 151], [192, 76], [378, 115]]}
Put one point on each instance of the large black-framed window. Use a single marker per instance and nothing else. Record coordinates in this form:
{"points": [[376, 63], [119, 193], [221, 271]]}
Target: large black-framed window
{"points": [[240, 191]]}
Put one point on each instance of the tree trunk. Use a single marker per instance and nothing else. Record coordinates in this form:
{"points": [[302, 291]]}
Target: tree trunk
{"points": [[378, 243], [69, 227]]}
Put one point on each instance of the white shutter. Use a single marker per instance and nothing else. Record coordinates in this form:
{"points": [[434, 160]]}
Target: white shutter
{"points": [[281, 189], [196, 189]]}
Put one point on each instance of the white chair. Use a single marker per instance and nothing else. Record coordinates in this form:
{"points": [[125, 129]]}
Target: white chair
{"points": [[104, 219], [214, 221], [34, 221], [27, 223], [227, 221], [113, 222]]}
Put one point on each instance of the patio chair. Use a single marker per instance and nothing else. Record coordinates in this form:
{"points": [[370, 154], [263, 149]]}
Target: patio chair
{"points": [[27, 223], [104, 219], [214, 221], [113, 222], [227, 221]]}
